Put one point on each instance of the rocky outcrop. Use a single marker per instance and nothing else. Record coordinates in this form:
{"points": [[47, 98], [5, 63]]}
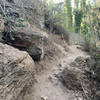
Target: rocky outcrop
{"points": [[16, 72], [27, 38], [31, 39]]}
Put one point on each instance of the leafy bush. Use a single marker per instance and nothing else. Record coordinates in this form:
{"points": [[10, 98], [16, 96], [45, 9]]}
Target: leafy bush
{"points": [[20, 24], [90, 27]]}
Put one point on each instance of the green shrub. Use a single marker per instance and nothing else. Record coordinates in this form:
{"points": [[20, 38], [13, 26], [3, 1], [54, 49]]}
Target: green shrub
{"points": [[20, 24]]}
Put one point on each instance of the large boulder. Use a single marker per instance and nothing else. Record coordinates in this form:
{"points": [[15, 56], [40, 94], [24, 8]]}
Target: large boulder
{"points": [[16, 72]]}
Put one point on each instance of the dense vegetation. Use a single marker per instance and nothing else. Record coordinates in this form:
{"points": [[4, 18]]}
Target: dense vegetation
{"points": [[81, 17]]}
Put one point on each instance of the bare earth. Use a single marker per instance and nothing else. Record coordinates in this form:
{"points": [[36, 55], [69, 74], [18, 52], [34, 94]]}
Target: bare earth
{"points": [[47, 87]]}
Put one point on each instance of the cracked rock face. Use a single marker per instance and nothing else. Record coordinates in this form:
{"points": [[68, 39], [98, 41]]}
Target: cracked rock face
{"points": [[16, 72]]}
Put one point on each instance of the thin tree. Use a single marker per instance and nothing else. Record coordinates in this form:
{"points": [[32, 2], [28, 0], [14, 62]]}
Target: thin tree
{"points": [[69, 13]]}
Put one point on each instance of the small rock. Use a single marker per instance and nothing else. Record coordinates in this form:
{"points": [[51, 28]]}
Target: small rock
{"points": [[60, 65], [44, 98]]}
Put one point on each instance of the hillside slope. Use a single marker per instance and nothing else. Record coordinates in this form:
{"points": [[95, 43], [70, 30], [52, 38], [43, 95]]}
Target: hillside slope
{"points": [[47, 85]]}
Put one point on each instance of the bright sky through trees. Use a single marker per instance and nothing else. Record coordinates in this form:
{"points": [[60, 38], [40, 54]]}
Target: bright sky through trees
{"points": [[57, 1]]}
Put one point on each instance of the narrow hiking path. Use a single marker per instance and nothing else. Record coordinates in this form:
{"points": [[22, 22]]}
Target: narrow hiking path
{"points": [[47, 86]]}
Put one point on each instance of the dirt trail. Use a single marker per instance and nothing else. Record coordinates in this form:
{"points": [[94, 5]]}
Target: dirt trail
{"points": [[47, 86]]}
